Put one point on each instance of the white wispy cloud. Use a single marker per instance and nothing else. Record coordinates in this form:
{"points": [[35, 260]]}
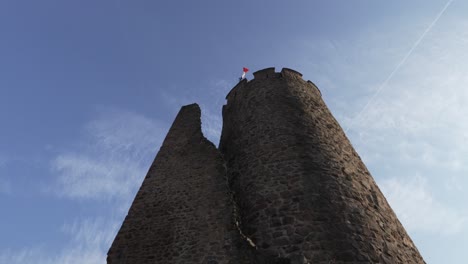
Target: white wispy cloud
{"points": [[89, 240], [422, 108], [417, 208], [83, 176], [415, 126], [112, 159], [107, 164]]}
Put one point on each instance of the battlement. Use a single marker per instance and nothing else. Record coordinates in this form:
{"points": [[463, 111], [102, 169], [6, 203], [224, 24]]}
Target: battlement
{"points": [[265, 73], [315, 86], [269, 73], [286, 72]]}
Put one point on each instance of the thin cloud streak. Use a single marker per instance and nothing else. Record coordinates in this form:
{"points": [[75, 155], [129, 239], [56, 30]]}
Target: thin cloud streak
{"points": [[418, 210], [397, 68], [89, 239], [113, 159], [107, 166], [415, 126]]}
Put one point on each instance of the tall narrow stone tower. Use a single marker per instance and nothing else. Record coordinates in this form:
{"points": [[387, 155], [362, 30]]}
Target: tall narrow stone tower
{"points": [[285, 187], [302, 190], [183, 211]]}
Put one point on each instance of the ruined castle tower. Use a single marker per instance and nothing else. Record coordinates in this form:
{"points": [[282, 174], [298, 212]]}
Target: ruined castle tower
{"points": [[183, 211], [285, 186]]}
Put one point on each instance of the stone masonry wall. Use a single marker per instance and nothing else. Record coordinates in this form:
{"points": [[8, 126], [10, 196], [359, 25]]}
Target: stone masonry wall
{"points": [[285, 187], [303, 192], [183, 212]]}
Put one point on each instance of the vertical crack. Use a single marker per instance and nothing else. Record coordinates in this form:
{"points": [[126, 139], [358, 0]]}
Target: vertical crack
{"points": [[235, 211]]}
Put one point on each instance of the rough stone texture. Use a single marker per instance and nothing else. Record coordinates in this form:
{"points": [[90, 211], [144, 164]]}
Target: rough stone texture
{"points": [[304, 195], [183, 212], [288, 180]]}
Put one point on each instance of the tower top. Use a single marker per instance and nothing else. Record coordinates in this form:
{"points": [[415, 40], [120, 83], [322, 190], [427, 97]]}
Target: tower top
{"points": [[269, 73]]}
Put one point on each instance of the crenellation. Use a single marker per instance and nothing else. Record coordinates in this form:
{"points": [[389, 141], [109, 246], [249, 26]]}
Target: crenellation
{"points": [[286, 72], [264, 74], [314, 86]]}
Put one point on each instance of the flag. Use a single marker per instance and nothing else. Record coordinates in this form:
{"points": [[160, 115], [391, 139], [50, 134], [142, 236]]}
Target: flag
{"points": [[244, 71]]}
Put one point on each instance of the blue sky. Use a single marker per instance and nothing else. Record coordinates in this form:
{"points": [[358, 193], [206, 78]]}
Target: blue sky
{"points": [[88, 90]]}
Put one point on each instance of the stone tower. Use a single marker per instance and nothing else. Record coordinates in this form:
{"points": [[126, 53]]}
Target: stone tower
{"points": [[302, 190], [285, 186], [183, 211]]}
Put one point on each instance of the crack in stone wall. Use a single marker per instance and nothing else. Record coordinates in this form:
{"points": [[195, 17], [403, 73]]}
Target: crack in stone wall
{"points": [[235, 212]]}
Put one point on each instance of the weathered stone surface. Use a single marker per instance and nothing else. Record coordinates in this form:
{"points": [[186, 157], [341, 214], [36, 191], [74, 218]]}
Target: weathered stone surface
{"points": [[303, 192], [288, 180], [183, 211]]}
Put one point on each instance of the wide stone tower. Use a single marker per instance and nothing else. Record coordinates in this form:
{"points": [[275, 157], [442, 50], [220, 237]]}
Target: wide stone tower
{"points": [[302, 190], [285, 187]]}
